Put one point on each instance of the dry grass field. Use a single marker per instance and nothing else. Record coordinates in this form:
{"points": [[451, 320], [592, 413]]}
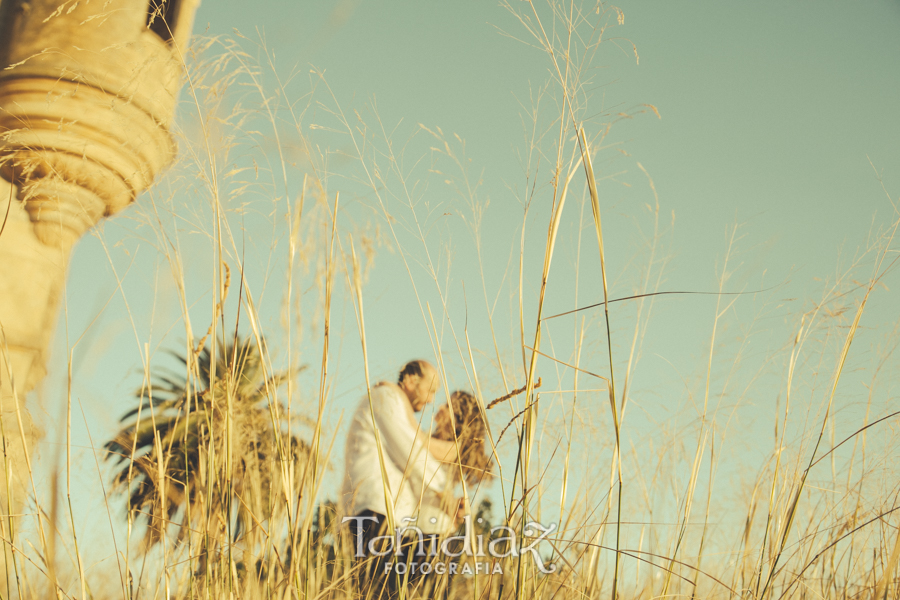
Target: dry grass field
{"points": [[221, 481]]}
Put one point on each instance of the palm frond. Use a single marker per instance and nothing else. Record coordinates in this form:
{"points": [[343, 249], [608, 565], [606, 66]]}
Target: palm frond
{"points": [[187, 417]]}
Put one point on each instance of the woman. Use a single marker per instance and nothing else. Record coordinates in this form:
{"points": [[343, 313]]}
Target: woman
{"points": [[458, 425], [461, 423]]}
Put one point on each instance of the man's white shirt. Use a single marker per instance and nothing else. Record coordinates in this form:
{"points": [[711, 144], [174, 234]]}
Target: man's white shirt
{"points": [[407, 463]]}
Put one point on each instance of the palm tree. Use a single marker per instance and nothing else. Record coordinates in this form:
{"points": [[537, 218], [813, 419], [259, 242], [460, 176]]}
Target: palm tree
{"points": [[210, 452]]}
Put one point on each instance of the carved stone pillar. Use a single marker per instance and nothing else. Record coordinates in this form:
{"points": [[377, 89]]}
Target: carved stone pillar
{"points": [[87, 95]]}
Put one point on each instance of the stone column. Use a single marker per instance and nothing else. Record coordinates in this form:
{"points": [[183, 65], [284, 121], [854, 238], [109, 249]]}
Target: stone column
{"points": [[87, 95], [31, 279]]}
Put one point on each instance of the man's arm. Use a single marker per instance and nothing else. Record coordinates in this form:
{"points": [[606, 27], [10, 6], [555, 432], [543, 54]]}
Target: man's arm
{"points": [[401, 438], [441, 450]]}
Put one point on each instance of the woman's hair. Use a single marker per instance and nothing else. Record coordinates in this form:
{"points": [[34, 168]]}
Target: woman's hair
{"points": [[470, 430]]}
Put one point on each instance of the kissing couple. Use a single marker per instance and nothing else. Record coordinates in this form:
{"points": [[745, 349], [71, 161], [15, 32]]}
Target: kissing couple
{"points": [[390, 459]]}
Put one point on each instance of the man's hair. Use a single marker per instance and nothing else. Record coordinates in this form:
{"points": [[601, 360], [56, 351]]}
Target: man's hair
{"points": [[412, 368]]}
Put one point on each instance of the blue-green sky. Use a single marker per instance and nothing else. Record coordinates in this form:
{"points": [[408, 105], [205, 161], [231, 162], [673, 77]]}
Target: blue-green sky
{"points": [[777, 117]]}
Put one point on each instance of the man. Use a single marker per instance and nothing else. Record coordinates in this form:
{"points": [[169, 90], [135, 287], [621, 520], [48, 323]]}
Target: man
{"points": [[407, 453]]}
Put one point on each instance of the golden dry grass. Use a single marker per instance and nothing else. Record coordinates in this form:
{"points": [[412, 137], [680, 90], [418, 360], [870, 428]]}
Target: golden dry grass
{"points": [[649, 522]]}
